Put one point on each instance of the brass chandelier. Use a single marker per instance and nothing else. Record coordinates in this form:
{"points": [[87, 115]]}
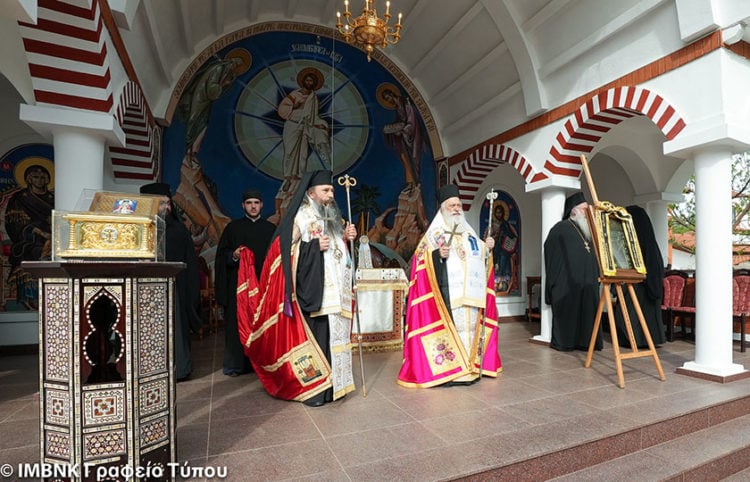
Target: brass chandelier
{"points": [[368, 30]]}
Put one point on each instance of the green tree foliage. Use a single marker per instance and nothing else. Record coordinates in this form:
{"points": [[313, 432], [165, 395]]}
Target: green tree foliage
{"points": [[682, 216]]}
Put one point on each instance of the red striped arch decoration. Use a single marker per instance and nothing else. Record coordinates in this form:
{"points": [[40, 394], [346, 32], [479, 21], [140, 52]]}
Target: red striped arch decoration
{"points": [[67, 55], [139, 159], [475, 168], [597, 116]]}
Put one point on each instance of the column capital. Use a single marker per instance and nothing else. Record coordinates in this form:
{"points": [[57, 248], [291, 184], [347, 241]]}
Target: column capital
{"points": [[566, 184], [48, 120], [713, 133], [659, 196]]}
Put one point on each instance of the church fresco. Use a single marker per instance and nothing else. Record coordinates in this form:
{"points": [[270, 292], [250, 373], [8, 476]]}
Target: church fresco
{"points": [[506, 230], [264, 105], [27, 181]]}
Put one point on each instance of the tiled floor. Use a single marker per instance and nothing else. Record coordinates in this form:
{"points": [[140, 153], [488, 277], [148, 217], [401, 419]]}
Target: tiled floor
{"points": [[543, 401]]}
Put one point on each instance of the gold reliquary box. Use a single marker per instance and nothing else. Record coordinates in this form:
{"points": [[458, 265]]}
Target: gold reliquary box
{"points": [[116, 226]]}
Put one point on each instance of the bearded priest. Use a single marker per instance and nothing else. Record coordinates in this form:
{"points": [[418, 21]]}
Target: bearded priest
{"points": [[451, 316], [572, 278], [296, 324]]}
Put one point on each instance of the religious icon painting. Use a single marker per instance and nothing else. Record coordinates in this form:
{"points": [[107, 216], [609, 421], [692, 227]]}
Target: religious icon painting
{"points": [[288, 98], [506, 231], [27, 198], [124, 206], [289, 87], [122, 203], [615, 241], [442, 174]]}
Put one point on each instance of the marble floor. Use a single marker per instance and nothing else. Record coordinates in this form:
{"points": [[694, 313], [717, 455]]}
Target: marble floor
{"points": [[543, 401]]}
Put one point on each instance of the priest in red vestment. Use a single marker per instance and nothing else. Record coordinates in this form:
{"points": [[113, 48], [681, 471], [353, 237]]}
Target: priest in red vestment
{"points": [[296, 325], [451, 316]]}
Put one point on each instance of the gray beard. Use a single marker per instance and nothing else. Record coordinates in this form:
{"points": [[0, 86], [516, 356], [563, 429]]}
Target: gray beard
{"points": [[331, 215], [582, 223]]}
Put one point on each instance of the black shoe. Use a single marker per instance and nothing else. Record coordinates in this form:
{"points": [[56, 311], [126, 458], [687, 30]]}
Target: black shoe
{"points": [[314, 403], [460, 384], [183, 379]]}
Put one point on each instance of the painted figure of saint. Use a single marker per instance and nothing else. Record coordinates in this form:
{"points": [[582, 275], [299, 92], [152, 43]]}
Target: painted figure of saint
{"points": [[304, 129], [403, 134], [28, 224]]}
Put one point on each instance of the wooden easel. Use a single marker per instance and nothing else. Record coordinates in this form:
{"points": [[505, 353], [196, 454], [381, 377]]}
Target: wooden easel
{"points": [[607, 281], [606, 297]]}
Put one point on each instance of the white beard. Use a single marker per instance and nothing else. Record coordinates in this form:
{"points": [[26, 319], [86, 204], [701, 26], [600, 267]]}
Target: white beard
{"points": [[451, 220], [579, 217]]}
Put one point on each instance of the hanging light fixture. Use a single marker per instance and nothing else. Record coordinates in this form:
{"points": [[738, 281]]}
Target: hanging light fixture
{"points": [[368, 30]]}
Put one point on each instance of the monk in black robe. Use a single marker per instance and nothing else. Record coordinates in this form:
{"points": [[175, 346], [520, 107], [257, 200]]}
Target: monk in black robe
{"points": [[649, 292], [178, 245], [252, 232], [572, 278]]}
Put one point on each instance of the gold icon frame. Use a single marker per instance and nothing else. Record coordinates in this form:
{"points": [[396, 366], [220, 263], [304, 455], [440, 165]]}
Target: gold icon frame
{"points": [[615, 241]]}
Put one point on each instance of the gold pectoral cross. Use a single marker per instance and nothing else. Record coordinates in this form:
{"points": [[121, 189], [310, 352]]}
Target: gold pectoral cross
{"points": [[452, 233]]}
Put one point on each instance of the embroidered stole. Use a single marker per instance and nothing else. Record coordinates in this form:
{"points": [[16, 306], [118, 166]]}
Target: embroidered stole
{"points": [[337, 296], [435, 349]]}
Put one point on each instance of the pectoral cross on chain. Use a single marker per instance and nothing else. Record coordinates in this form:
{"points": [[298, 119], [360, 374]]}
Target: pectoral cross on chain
{"points": [[452, 233]]}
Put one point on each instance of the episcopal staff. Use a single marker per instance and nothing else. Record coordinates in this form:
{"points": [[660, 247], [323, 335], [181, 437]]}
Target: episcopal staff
{"points": [[451, 292], [300, 345]]}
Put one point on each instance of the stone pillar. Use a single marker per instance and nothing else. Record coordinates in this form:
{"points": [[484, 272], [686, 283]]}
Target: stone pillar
{"points": [[713, 273], [656, 205], [79, 165], [79, 140], [657, 212], [553, 203]]}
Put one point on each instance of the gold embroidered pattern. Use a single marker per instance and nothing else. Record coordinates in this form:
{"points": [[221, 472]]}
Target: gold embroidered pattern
{"points": [[441, 354], [305, 368]]}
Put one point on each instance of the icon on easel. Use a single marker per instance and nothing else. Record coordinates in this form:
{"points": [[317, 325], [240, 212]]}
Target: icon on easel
{"points": [[620, 263]]}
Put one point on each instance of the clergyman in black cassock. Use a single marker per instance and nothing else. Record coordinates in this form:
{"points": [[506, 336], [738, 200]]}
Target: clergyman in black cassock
{"points": [[253, 232], [179, 247], [649, 292], [572, 279]]}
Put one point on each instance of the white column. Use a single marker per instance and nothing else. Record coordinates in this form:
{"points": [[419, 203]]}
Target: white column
{"points": [[553, 203], [656, 205], [713, 272], [79, 165], [79, 139], [657, 212]]}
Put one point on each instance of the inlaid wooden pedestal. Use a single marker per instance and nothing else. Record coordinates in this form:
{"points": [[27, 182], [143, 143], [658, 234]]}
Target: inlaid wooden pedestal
{"points": [[106, 378]]}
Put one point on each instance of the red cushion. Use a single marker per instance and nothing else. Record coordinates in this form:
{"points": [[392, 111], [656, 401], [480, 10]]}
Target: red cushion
{"points": [[741, 295], [673, 289], [684, 309]]}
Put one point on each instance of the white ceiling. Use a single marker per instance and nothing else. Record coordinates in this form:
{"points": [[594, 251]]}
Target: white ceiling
{"points": [[468, 58], [482, 66]]}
